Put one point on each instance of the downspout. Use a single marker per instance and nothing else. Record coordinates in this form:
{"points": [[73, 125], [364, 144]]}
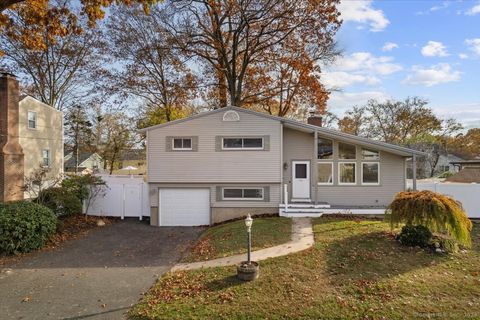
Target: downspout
{"points": [[281, 163], [414, 174], [315, 166]]}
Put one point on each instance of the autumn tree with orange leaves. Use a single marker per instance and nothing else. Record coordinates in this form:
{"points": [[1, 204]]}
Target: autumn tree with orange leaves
{"points": [[54, 18], [264, 54]]}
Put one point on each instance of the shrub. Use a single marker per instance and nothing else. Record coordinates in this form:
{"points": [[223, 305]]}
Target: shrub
{"points": [[25, 226], [415, 236], [60, 201], [80, 184], [437, 212], [449, 245], [446, 174]]}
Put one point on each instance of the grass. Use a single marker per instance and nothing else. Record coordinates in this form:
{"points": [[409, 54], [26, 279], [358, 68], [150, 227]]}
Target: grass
{"points": [[356, 270], [230, 238]]}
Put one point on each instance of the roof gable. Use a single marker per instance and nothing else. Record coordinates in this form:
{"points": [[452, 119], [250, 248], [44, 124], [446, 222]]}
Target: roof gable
{"points": [[24, 98]]}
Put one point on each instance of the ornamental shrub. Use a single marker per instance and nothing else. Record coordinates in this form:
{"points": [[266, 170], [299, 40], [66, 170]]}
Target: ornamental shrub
{"points": [[415, 236], [80, 184], [60, 201], [437, 212], [25, 226]]}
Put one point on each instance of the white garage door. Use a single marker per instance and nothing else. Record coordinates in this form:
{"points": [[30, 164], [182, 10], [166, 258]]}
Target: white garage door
{"points": [[184, 207]]}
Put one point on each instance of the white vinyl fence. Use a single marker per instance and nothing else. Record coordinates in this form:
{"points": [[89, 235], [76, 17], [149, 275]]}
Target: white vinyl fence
{"points": [[124, 196], [467, 193]]}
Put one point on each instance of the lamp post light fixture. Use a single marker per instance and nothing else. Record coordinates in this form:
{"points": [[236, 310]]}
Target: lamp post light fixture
{"points": [[248, 270], [248, 224]]}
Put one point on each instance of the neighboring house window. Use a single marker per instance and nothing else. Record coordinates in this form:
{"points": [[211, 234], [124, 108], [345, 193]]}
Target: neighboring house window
{"points": [[368, 154], [371, 173], [325, 173], [46, 158], [32, 120], [347, 173], [242, 194], [346, 151], [325, 149], [242, 144], [182, 144], [444, 168]]}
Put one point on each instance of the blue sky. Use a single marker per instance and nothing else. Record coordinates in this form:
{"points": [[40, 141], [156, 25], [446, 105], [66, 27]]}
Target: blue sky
{"points": [[396, 49]]}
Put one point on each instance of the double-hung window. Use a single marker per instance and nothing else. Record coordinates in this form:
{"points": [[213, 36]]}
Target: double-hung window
{"points": [[182, 144], [242, 193], [32, 120], [251, 143], [46, 158]]}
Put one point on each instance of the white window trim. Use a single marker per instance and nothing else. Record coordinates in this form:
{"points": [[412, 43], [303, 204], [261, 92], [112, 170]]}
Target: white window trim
{"points": [[49, 158], [333, 174], [356, 151], [371, 183], [340, 176], [374, 160], [243, 148], [182, 149], [244, 199], [28, 120], [333, 150]]}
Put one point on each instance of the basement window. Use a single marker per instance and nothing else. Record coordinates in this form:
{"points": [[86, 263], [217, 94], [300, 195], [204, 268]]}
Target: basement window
{"points": [[242, 194]]}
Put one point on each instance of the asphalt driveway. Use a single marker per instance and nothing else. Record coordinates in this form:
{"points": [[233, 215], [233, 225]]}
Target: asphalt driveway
{"points": [[96, 277]]}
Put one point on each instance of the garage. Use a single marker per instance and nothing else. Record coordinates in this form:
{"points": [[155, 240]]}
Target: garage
{"points": [[184, 207]]}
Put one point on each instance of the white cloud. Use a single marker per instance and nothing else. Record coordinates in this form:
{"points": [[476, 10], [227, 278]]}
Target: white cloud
{"points": [[467, 114], [437, 74], [368, 63], [434, 49], [444, 5], [361, 11], [339, 102], [463, 56], [474, 45], [473, 10], [389, 46], [340, 79]]}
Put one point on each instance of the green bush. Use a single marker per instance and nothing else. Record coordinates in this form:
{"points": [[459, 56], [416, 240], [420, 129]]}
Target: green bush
{"points": [[79, 185], [60, 201], [415, 236], [438, 212], [449, 245], [25, 226], [446, 174]]}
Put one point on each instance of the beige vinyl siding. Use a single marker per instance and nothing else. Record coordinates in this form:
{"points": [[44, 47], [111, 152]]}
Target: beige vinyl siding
{"points": [[208, 165], [300, 146], [47, 135], [274, 196]]}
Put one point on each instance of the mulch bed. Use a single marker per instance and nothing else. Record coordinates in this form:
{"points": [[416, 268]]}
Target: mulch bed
{"points": [[68, 228]]}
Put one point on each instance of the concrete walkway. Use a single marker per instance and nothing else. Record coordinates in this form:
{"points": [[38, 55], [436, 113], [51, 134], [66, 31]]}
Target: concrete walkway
{"points": [[302, 238]]}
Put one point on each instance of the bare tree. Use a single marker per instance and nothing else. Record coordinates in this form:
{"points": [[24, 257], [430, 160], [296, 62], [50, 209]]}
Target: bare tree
{"points": [[151, 67]]}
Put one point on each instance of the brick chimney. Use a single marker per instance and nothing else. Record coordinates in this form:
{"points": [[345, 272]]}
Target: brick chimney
{"points": [[314, 118], [11, 153]]}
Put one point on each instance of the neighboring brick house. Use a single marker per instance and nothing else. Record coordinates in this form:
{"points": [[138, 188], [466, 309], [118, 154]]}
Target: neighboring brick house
{"points": [[31, 137]]}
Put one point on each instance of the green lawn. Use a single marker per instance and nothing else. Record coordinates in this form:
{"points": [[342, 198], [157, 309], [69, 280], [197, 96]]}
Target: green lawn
{"points": [[356, 270], [231, 238]]}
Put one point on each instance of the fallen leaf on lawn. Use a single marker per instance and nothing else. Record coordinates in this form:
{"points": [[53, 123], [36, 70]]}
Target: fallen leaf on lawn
{"points": [[103, 305], [26, 299]]}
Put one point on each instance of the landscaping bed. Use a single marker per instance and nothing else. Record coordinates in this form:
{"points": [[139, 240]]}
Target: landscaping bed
{"points": [[356, 270], [68, 228], [230, 238]]}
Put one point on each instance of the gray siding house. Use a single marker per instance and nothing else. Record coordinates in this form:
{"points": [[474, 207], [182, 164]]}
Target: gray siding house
{"points": [[226, 163]]}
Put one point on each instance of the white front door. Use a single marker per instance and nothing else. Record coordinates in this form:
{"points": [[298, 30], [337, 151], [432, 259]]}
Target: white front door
{"points": [[300, 180]]}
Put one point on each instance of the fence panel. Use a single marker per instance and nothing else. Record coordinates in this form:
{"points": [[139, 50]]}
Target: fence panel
{"points": [[467, 193], [124, 196]]}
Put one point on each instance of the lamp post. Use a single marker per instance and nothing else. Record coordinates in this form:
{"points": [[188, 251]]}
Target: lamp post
{"points": [[248, 224], [248, 270]]}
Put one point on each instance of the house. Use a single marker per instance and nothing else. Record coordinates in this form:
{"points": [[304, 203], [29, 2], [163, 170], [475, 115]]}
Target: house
{"points": [[135, 158], [466, 175], [86, 160], [41, 136], [463, 164], [443, 164], [31, 138], [226, 163]]}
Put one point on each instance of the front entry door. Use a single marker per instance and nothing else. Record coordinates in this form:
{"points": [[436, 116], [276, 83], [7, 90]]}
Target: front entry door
{"points": [[300, 180]]}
